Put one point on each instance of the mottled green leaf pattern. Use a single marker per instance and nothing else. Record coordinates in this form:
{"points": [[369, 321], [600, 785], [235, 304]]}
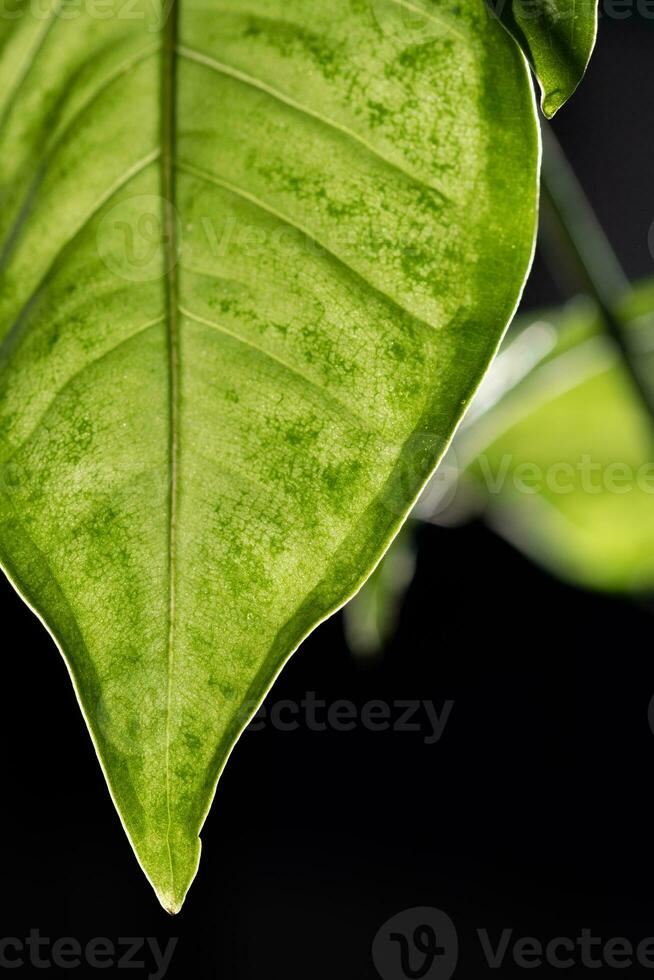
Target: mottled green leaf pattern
{"points": [[255, 260]]}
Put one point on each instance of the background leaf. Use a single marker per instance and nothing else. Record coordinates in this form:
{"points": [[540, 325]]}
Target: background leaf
{"points": [[254, 265], [557, 37], [370, 618], [566, 459]]}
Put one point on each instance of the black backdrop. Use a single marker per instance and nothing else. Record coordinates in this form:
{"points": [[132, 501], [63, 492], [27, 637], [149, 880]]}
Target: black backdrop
{"points": [[533, 812]]}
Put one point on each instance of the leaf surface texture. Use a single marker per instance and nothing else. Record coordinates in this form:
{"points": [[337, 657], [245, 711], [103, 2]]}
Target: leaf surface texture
{"points": [[255, 261]]}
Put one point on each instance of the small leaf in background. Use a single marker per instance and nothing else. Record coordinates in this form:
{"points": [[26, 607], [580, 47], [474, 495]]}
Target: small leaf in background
{"points": [[371, 617], [557, 37], [565, 462]]}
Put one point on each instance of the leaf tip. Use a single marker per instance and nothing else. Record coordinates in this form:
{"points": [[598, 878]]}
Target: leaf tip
{"points": [[171, 870], [170, 902], [553, 99], [551, 102], [172, 908]]}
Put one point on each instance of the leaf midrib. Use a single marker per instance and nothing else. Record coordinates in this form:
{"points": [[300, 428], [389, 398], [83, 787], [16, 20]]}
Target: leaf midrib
{"points": [[168, 139]]}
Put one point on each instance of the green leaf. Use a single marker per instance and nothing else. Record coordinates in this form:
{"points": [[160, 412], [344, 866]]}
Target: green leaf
{"points": [[566, 459], [255, 264], [557, 37]]}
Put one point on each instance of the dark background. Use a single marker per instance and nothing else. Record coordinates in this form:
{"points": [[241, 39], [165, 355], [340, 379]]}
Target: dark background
{"points": [[534, 812]]}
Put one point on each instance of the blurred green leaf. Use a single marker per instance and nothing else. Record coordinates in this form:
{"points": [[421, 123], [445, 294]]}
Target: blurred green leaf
{"points": [[565, 460], [371, 617]]}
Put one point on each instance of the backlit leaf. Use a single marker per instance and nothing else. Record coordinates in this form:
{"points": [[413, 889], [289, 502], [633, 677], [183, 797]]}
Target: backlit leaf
{"points": [[557, 37], [254, 263]]}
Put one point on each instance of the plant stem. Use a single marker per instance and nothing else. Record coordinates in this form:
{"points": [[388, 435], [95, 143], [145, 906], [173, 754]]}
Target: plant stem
{"points": [[595, 260]]}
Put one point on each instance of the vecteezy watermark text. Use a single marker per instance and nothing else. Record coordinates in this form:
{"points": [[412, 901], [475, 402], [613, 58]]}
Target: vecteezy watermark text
{"points": [[407, 21], [100, 953], [153, 14], [424, 943], [584, 475], [526, 10], [318, 715]]}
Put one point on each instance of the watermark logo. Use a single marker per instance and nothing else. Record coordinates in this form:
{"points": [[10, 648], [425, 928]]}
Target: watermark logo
{"points": [[528, 10], [421, 718], [13, 477], [412, 23], [153, 14], [554, 12], [138, 239], [100, 953], [315, 714], [422, 944], [417, 944], [562, 477], [412, 470]]}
